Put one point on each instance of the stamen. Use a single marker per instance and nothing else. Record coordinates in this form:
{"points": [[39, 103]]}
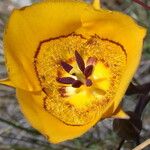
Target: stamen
{"points": [[77, 84], [66, 66], [66, 80], [88, 82], [88, 71], [80, 61], [91, 61]]}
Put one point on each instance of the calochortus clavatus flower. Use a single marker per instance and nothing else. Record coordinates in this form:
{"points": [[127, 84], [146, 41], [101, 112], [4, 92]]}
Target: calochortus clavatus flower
{"points": [[71, 63]]}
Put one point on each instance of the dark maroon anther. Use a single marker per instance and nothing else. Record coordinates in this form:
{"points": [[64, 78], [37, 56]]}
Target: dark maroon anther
{"points": [[66, 80], [80, 61], [66, 66], [77, 84], [88, 82], [88, 71], [91, 61]]}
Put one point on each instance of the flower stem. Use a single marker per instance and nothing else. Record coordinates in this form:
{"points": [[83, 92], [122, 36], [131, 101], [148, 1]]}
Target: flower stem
{"points": [[120, 144]]}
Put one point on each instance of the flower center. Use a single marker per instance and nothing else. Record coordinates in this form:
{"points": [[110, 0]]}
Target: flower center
{"points": [[79, 78], [79, 84], [85, 75]]}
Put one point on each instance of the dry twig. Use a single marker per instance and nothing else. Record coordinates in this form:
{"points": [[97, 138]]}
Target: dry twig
{"points": [[142, 145]]}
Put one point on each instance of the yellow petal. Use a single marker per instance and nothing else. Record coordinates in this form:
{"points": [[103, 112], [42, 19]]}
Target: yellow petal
{"points": [[6, 82], [118, 28], [29, 26], [56, 131], [119, 113], [96, 4]]}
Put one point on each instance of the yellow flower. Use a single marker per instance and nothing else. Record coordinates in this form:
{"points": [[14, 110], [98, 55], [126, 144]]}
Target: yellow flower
{"points": [[71, 63]]}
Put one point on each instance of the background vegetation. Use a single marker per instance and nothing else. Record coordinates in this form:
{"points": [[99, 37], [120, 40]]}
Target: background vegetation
{"points": [[16, 133]]}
